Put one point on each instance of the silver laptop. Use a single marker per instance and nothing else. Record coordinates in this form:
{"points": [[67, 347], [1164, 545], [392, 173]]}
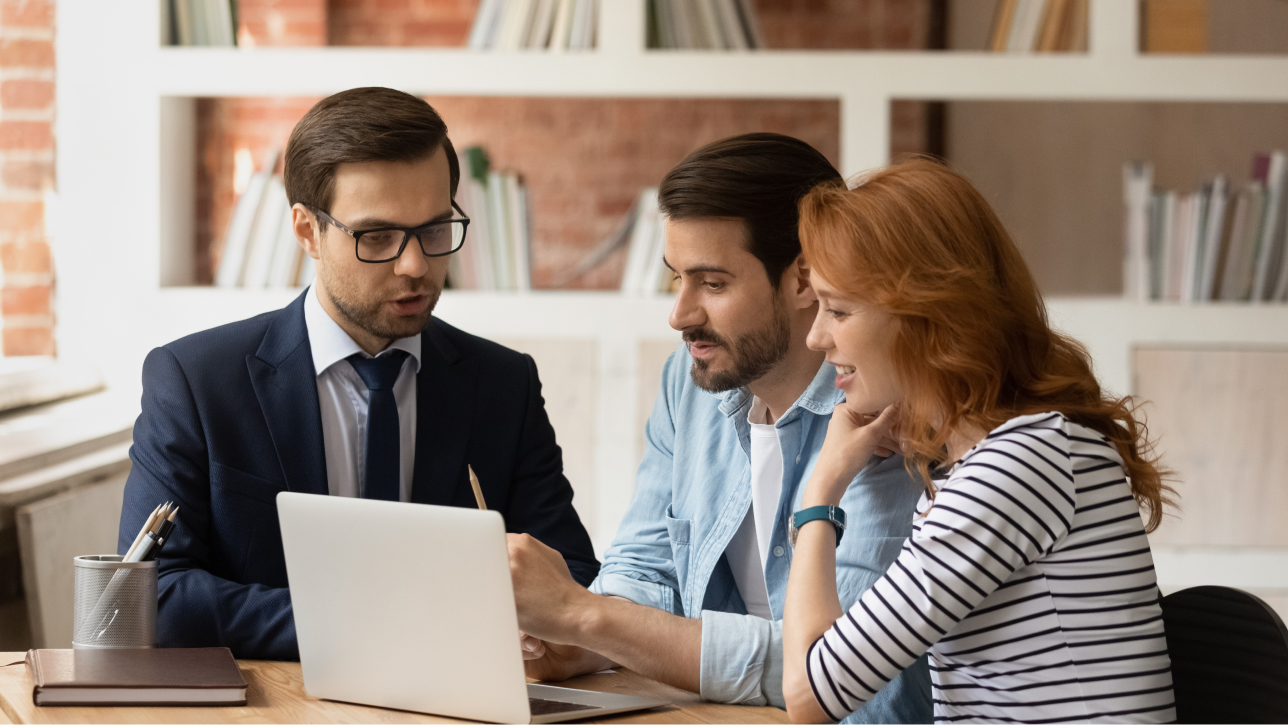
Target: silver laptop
{"points": [[409, 606]]}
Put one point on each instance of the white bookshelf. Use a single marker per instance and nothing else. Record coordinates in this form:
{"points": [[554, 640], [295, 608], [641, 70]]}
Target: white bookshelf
{"points": [[126, 177]]}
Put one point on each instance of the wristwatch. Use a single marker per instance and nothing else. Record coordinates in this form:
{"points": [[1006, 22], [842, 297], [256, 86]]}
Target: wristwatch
{"points": [[816, 513]]}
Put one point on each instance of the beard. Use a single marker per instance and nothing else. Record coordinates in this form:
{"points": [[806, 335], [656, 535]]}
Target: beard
{"points": [[368, 312], [751, 354]]}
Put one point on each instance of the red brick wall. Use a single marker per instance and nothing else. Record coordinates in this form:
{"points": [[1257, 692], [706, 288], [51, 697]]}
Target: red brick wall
{"points": [[443, 23], [584, 160], [845, 24], [281, 22], [26, 174]]}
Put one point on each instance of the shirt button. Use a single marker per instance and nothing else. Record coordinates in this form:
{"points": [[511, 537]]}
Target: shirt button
{"points": [[798, 458], [778, 551]]}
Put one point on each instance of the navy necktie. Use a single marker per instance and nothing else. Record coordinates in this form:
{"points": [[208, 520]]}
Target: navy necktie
{"points": [[380, 470]]}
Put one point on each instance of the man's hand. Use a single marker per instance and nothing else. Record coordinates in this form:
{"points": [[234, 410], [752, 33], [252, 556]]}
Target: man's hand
{"points": [[562, 661], [548, 599]]}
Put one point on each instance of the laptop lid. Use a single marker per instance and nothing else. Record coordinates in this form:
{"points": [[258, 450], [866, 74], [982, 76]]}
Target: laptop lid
{"points": [[404, 605]]}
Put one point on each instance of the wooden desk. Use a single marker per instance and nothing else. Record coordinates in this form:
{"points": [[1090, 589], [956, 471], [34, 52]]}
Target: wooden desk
{"points": [[275, 694]]}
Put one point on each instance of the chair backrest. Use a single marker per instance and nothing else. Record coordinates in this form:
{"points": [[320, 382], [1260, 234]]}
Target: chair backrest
{"points": [[1229, 655]]}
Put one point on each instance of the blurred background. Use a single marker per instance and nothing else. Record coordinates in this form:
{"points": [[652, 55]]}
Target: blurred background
{"points": [[1133, 149]]}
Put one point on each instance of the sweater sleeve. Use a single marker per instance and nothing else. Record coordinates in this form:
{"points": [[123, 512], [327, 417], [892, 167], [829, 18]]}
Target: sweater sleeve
{"points": [[1005, 506]]}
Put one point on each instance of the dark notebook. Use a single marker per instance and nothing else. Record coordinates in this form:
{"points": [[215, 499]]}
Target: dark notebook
{"points": [[104, 677]]}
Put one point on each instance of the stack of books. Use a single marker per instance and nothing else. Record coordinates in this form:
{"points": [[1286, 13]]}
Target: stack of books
{"points": [[199, 22], [1211, 243], [497, 255], [260, 250], [703, 24], [1042, 26], [555, 25]]}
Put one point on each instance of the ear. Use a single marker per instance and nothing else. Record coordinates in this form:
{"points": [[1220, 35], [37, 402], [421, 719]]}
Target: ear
{"points": [[796, 284], [306, 231]]}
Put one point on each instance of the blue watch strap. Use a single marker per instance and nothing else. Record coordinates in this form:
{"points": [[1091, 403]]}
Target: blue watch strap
{"points": [[834, 514]]}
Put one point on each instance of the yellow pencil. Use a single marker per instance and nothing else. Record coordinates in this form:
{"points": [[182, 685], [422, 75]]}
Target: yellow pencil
{"points": [[478, 492]]}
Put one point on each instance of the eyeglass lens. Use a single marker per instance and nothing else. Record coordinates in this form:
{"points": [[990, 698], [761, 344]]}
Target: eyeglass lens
{"points": [[435, 239]]}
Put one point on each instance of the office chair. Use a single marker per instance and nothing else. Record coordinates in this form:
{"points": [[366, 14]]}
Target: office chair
{"points": [[1229, 655]]}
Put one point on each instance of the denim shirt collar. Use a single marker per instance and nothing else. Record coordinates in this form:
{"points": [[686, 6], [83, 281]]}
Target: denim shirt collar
{"points": [[819, 398]]}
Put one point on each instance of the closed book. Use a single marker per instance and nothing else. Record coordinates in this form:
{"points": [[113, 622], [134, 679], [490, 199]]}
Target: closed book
{"points": [[1213, 239], [265, 235], [502, 238], [1247, 266], [641, 242], [1138, 182], [1270, 169], [105, 677], [751, 24], [1003, 14], [708, 19], [1024, 26], [562, 28], [543, 21], [732, 24], [483, 32], [1233, 252]]}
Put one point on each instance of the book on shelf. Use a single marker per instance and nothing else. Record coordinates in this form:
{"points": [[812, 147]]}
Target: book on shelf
{"points": [[497, 255], [703, 25], [1212, 243], [553, 25], [199, 22], [642, 274], [260, 250], [1039, 26]]}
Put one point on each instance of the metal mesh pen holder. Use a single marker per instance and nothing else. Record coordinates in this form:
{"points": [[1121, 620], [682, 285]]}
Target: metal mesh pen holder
{"points": [[116, 603]]}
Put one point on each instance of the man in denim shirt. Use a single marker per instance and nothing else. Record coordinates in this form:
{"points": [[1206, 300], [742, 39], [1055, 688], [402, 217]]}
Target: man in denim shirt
{"points": [[733, 437]]}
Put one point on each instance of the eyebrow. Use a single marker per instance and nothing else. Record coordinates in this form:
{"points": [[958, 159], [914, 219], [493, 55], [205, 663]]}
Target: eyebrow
{"points": [[369, 223], [701, 268]]}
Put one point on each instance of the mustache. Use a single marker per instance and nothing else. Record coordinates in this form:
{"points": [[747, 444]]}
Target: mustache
{"points": [[702, 335], [427, 290]]}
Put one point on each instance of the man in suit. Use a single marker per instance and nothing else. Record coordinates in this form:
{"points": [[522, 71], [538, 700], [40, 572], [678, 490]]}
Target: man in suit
{"points": [[354, 389]]}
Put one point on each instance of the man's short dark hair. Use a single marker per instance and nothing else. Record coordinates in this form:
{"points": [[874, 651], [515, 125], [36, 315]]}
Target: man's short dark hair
{"points": [[756, 177], [355, 126]]}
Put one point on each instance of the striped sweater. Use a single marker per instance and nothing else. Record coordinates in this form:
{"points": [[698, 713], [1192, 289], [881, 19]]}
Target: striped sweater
{"points": [[1030, 582]]}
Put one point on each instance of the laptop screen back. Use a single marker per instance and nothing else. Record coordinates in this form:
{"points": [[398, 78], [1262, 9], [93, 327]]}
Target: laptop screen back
{"points": [[404, 605]]}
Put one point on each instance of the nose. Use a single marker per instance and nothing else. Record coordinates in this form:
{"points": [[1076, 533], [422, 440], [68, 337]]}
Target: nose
{"points": [[818, 337], [412, 262], [686, 313]]}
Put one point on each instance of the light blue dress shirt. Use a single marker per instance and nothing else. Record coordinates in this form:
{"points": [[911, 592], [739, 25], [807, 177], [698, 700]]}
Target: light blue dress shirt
{"points": [[692, 492]]}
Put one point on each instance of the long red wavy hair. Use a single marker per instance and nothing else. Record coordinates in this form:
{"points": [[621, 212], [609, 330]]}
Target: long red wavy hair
{"points": [[974, 348]]}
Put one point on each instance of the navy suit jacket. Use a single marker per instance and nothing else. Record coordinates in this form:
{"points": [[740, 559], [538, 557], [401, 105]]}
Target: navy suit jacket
{"points": [[230, 418]]}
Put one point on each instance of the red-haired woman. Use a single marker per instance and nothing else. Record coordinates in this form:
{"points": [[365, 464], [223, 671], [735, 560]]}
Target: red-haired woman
{"points": [[1028, 577]]}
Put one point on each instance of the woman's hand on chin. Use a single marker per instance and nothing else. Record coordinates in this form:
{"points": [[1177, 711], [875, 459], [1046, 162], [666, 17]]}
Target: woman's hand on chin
{"points": [[852, 440]]}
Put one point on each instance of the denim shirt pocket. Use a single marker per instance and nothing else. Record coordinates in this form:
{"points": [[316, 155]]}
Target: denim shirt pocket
{"points": [[678, 532]]}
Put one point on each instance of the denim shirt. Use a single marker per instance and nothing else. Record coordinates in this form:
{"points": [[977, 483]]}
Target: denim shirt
{"points": [[693, 491]]}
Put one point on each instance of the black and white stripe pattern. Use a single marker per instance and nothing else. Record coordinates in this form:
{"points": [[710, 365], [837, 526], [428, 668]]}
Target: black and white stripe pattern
{"points": [[1030, 582]]}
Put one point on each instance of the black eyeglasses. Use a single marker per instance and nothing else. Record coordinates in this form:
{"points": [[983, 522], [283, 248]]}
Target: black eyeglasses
{"points": [[436, 239]]}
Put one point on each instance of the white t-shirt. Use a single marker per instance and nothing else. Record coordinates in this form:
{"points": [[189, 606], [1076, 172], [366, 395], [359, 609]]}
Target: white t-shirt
{"points": [[748, 550]]}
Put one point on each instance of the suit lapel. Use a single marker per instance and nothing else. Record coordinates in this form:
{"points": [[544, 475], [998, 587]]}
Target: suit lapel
{"points": [[444, 399], [281, 372]]}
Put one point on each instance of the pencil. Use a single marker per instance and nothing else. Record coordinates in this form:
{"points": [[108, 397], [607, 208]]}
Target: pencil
{"points": [[147, 526], [478, 492]]}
